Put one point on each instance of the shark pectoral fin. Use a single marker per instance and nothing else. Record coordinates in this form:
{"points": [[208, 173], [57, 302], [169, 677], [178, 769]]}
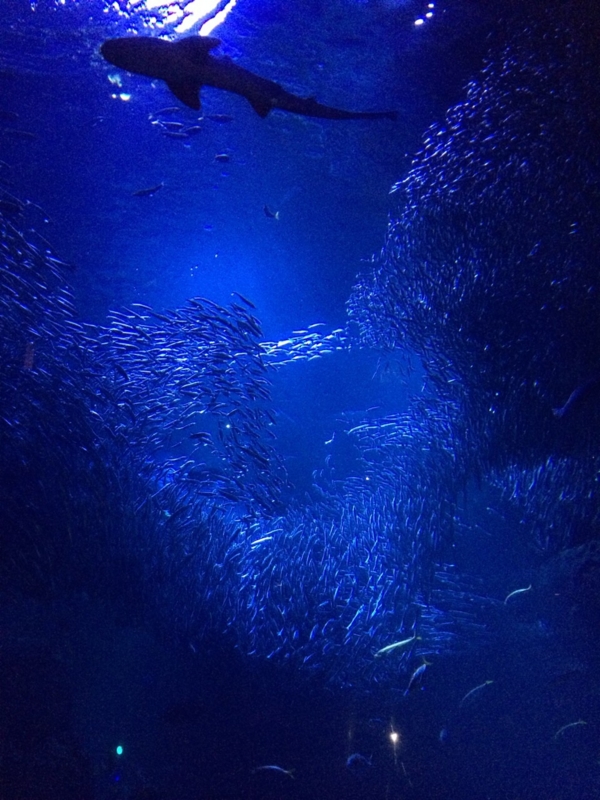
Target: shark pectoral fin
{"points": [[186, 91], [261, 105]]}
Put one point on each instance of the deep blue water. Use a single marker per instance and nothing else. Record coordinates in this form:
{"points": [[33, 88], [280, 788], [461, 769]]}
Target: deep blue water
{"points": [[306, 506]]}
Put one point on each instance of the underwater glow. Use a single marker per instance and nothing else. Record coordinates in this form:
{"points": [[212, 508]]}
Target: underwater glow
{"points": [[194, 12], [119, 750], [186, 13], [211, 24]]}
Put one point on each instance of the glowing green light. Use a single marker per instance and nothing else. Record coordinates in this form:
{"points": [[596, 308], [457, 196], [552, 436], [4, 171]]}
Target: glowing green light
{"points": [[119, 750]]}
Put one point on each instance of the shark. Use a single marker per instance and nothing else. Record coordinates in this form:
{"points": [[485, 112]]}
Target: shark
{"points": [[188, 64]]}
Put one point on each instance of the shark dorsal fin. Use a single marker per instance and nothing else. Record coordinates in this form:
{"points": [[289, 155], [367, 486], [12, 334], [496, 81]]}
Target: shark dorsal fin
{"points": [[187, 91], [261, 105], [196, 48]]}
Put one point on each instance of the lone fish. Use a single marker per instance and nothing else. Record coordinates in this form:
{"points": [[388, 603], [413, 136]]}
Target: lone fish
{"points": [[187, 65], [396, 645]]}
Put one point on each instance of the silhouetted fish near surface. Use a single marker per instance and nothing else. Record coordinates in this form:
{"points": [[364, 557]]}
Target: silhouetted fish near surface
{"points": [[245, 300], [148, 192], [590, 391], [187, 65], [270, 214]]}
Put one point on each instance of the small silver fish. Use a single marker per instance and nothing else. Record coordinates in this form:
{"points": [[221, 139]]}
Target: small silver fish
{"points": [[271, 214]]}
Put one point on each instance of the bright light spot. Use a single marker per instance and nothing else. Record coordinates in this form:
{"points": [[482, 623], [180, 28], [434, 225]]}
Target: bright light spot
{"points": [[419, 21], [430, 5], [396, 741], [194, 12], [115, 80], [125, 97], [183, 14], [119, 750], [429, 14], [201, 7], [211, 24]]}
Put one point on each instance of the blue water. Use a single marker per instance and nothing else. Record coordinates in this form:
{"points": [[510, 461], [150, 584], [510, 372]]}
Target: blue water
{"points": [[298, 464]]}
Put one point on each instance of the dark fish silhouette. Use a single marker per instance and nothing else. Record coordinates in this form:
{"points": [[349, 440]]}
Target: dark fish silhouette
{"points": [[270, 214], [147, 192], [588, 391], [187, 65]]}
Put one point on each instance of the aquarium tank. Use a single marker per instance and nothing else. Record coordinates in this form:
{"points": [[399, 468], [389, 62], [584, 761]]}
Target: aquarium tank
{"points": [[299, 400]]}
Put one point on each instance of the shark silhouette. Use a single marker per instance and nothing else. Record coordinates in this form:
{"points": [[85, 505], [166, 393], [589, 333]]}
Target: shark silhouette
{"points": [[187, 65]]}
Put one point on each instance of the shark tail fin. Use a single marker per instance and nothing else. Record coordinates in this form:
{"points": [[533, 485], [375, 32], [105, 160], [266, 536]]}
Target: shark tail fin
{"points": [[188, 92]]}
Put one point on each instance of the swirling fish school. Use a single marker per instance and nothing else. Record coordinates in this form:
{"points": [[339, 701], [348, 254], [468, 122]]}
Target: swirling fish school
{"points": [[151, 441], [488, 275]]}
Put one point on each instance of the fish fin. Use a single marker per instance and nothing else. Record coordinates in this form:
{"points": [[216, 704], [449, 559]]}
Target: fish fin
{"points": [[188, 92], [261, 106], [196, 48]]}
